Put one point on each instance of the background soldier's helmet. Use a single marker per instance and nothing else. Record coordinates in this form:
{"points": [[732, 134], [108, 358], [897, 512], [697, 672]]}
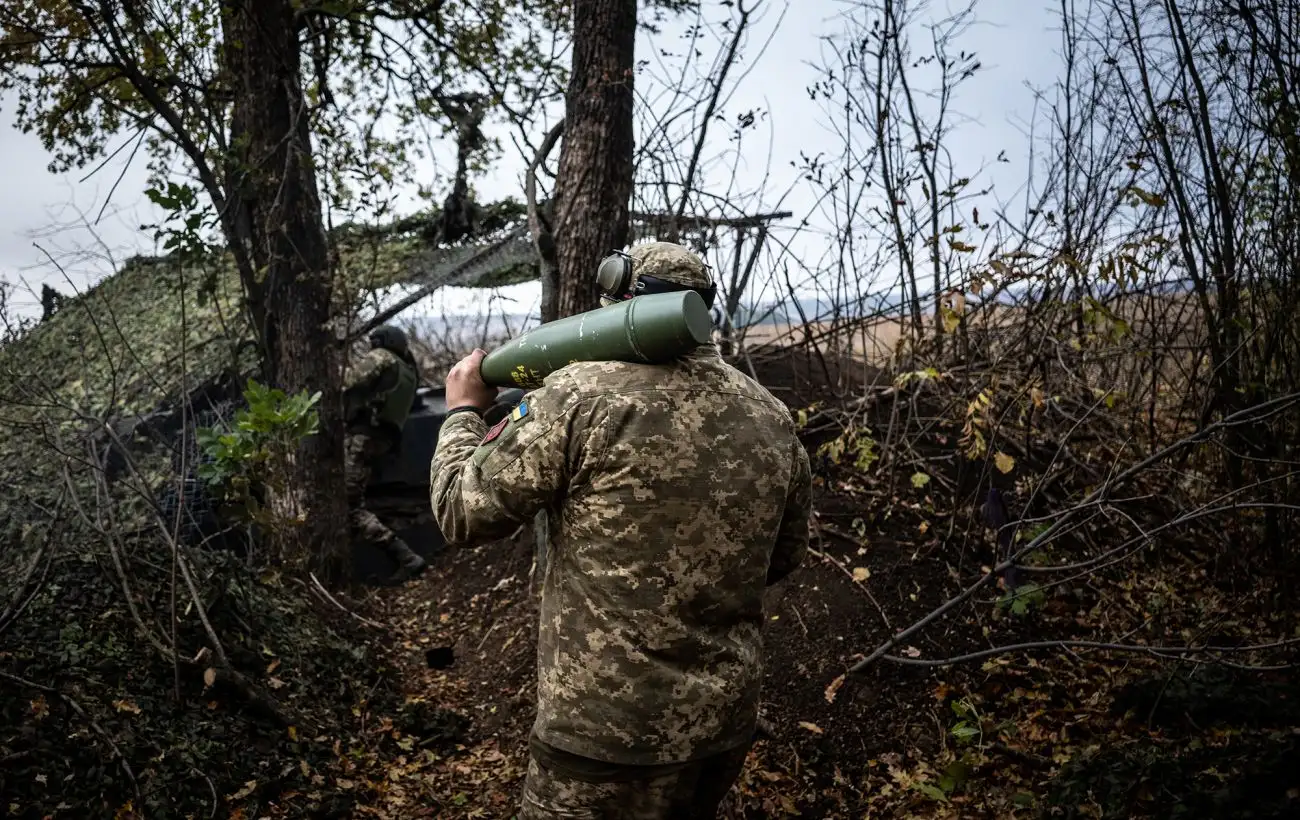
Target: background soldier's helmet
{"points": [[672, 263], [390, 338]]}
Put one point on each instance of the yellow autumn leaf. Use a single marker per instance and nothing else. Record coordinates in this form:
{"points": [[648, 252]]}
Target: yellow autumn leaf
{"points": [[812, 727], [861, 574], [1004, 462], [951, 319]]}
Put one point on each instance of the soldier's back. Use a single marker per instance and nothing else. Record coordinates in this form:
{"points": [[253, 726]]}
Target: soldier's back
{"points": [[652, 604]]}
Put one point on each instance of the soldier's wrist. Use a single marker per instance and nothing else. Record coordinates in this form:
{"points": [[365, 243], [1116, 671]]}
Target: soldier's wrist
{"points": [[465, 408]]}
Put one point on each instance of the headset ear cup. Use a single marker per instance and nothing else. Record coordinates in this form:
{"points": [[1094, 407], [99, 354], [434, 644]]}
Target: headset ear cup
{"points": [[614, 276], [605, 276]]}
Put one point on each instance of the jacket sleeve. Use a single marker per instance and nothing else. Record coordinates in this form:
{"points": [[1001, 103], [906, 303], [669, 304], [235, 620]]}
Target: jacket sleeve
{"points": [[792, 539], [483, 484], [369, 372]]}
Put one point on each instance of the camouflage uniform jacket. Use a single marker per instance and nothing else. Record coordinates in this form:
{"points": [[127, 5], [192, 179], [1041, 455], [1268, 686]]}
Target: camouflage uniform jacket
{"points": [[370, 384], [675, 493]]}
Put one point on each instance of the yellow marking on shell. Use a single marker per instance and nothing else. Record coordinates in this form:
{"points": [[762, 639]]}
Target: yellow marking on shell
{"points": [[525, 376]]}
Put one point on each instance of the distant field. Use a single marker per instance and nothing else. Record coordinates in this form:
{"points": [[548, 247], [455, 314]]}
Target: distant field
{"points": [[873, 343]]}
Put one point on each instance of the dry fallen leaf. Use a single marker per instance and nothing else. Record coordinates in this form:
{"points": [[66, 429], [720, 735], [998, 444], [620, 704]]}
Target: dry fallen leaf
{"points": [[833, 688], [812, 727], [861, 574]]}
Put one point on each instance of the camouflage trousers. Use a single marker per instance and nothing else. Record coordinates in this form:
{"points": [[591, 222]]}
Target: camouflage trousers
{"points": [[692, 791], [362, 449]]}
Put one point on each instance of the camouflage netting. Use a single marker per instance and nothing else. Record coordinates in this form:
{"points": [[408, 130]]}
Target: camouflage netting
{"points": [[109, 704]]}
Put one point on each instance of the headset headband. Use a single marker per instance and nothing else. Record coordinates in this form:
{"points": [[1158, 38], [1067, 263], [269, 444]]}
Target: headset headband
{"points": [[614, 278]]}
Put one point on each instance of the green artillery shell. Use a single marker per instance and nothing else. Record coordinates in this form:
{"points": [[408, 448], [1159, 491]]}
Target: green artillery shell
{"points": [[651, 329]]}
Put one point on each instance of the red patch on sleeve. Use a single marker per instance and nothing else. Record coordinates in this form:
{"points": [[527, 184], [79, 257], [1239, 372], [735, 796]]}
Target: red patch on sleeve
{"points": [[495, 431]]}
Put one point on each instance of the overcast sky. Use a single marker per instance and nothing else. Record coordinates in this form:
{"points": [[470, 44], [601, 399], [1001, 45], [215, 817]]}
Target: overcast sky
{"points": [[1016, 41]]}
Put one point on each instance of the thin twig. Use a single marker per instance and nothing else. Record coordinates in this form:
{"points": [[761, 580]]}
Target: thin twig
{"points": [[826, 556], [1157, 651], [325, 593]]}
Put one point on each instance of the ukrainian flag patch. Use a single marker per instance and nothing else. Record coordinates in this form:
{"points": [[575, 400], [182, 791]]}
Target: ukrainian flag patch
{"points": [[520, 412]]}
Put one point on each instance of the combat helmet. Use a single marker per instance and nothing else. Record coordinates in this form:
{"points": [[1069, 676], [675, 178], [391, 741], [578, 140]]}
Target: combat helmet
{"points": [[653, 267], [391, 338]]}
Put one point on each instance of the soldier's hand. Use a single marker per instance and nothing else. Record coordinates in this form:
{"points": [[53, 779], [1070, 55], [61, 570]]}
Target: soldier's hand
{"points": [[465, 386]]}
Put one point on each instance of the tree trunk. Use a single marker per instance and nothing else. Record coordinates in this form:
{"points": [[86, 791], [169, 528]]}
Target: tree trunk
{"points": [[594, 184], [291, 254]]}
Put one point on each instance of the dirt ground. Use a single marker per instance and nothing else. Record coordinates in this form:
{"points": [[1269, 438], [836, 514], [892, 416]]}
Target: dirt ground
{"points": [[473, 615]]}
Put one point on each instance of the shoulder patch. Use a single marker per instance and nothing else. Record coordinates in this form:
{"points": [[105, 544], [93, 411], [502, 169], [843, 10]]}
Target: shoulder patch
{"points": [[520, 412], [495, 431]]}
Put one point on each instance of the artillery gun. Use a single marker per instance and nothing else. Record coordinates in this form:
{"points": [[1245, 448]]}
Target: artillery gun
{"points": [[399, 490]]}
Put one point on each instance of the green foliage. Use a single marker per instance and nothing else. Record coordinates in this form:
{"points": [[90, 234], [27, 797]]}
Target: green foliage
{"points": [[1025, 598], [251, 458], [967, 729], [83, 76], [855, 442], [182, 204]]}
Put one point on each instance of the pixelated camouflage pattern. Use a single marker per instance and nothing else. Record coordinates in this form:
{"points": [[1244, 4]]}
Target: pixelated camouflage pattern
{"points": [[369, 384], [692, 792], [361, 451], [675, 494], [370, 378], [372, 373], [670, 262]]}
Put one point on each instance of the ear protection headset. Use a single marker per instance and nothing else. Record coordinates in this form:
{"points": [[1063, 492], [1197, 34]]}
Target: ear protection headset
{"points": [[614, 278]]}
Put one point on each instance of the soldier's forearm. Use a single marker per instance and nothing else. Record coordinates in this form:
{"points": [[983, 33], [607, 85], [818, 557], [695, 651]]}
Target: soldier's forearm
{"points": [[464, 509]]}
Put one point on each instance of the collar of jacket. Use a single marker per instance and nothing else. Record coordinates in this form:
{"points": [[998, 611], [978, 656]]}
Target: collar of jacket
{"points": [[708, 350]]}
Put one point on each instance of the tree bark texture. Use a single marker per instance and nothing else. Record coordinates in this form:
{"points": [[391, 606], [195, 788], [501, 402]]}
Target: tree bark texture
{"points": [[593, 187], [279, 194]]}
